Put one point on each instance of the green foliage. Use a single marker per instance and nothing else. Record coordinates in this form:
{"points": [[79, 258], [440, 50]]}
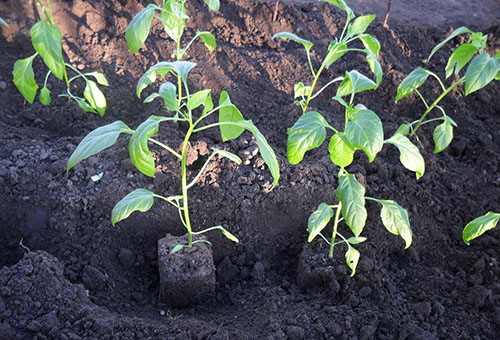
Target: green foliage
{"points": [[185, 108], [480, 225], [2, 22], [46, 40]]}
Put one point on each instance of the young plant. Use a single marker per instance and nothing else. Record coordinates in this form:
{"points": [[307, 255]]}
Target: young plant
{"points": [[482, 69], [2, 22], [231, 124], [172, 15], [46, 39], [362, 131]]}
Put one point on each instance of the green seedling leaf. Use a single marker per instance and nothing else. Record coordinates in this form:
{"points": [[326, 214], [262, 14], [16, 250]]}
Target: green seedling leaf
{"points": [[47, 42], [395, 219], [359, 25], [84, 105], [479, 226], [264, 148], [168, 92], [45, 96], [95, 97], [173, 19], [403, 129], [409, 156], [352, 258], [364, 131], [300, 90], [480, 72], [318, 220], [151, 97], [96, 141], [213, 4], [180, 67], [139, 152], [371, 43], [458, 31], [209, 40], [342, 5], [138, 29], [138, 200], [229, 235], [478, 40], [497, 57], [443, 135], [459, 58], [176, 248], [229, 113], [335, 51], [146, 79], [229, 155], [412, 82], [352, 196], [197, 99], [375, 66], [354, 82], [2, 22], [308, 133], [341, 151], [208, 105], [286, 35], [101, 79], [356, 240], [24, 78]]}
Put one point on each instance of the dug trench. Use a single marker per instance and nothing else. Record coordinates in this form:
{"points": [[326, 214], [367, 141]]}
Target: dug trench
{"points": [[68, 274]]}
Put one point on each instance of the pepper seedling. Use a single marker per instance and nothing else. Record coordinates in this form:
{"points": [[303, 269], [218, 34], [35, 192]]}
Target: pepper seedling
{"points": [[172, 14], [46, 39], [482, 69], [362, 131], [231, 124]]}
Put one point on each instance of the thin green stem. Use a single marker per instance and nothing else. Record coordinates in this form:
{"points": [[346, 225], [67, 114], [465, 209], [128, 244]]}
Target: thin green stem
{"points": [[46, 78], [438, 79], [166, 147], [325, 86], [193, 182], [170, 200], [217, 227], [335, 226], [313, 85], [422, 98], [310, 63], [185, 204]]}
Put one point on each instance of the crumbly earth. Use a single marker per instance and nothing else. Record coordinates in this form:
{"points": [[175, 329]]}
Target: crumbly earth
{"points": [[68, 274]]}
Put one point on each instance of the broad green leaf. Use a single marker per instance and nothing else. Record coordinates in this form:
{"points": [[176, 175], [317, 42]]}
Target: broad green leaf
{"points": [[146, 79], [180, 67], [481, 70], [356, 240], [371, 43], [168, 92], [24, 78], [101, 79], [265, 149], [139, 152], [95, 97], [229, 155], [300, 90], [335, 51], [403, 129], [443, 135], [47, 42], [412, 82], [364, 131], [96, 141], [176, 248], [480, 225], [409, 156], [374, 65], [173, 21], [359, 25], [395, 219], [461, 56], [213, 4], [352, 196], [342, 5], [478, 40], [354, 82], [197, 99], [45, 96], [209, 40], [137, 30], [318, 220], [84, 105], [2, 22], [229, 113], [341, 152], [308, 133], [208, 105], [352, 259], [286, 35], [458, 31], [138, 200], [151, 97]]}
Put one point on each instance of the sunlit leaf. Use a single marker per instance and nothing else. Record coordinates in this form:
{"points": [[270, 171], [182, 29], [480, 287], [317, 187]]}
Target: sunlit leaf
{"points": [[335, 51], [459, 58], [300, 90], [286, 35], [47, 42], [318, 220], [352, 196], [364, 131], [481, 71], [197, 99], [371, 43], [101, 79], [138, 200], [213, 4], [209, 40], [137, 30], [458, 31], [95, 97], [412, 82], [308, 133], [356, 240], [354, 82], [45, 96], [229, 155], [395, 219], [229, 113], [359, 25], [24, 78], [342, 5], [375, 66], [168, 92], [341, 151], [409, 156], [352, 259], [443, 135], [480, 225]]}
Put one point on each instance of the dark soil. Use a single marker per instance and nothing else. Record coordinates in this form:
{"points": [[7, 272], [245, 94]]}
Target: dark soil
{"points": [[68, 274]]}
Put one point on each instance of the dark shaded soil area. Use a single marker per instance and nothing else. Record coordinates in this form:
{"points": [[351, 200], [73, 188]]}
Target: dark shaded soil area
{"points": [[68, 274]]}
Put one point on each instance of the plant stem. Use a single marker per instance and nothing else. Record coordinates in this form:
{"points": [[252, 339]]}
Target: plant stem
{"points": [[316, 77], [335, 225], [433, 105], [185, 204]]}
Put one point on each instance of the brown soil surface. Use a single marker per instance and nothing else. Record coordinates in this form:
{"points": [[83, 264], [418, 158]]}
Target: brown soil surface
{"points": [[84, 279]]}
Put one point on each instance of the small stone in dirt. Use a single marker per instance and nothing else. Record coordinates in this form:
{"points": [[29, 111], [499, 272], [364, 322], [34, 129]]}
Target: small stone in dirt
{"points": [[365, 291], [127, 257], [93, 278], [295, 333], [422, 308], [3, 85]]}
